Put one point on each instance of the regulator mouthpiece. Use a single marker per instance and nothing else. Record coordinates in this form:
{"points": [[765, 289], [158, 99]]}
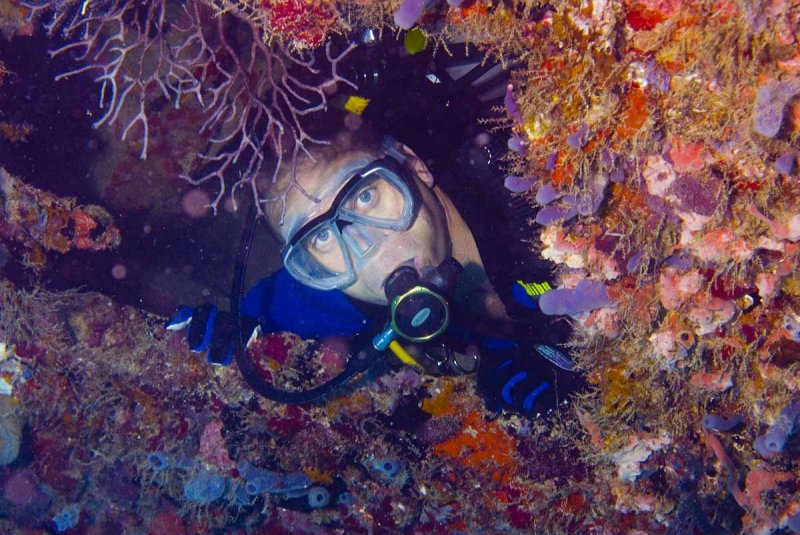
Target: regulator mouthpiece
{"points": [[418, 307]]}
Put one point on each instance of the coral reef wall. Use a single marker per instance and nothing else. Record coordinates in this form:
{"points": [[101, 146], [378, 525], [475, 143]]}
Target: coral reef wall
{"points": [[659, 138]]}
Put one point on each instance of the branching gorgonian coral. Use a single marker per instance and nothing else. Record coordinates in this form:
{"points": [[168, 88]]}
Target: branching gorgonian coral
{"points": [[253, 95]]}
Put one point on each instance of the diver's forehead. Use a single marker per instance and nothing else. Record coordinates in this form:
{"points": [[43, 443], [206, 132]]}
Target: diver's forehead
{"points": [[320, 181]]}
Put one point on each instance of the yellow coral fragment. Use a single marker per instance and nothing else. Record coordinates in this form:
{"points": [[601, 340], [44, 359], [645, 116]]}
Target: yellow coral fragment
{"points": [[536, 127], [356, 104]]}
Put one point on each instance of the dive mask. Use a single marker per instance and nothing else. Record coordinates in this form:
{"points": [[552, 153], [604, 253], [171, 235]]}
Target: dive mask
{"points": [[373, 202]]}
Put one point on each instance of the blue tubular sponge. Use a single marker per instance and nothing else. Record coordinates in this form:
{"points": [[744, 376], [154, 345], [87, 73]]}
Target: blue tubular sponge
{"points": [[775, 438], [388, 467], [157, 461], [318, 497], [267, 482], [67, 518], [204, 488], [715, 422], [793, 523], [586, 296]]}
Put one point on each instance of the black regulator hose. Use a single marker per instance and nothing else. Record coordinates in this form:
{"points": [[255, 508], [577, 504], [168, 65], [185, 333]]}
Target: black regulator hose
{"points": [[361, 361]]}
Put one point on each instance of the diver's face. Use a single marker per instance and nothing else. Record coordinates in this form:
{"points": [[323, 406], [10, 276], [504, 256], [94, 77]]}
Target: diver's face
{"points": [[425, 243]]}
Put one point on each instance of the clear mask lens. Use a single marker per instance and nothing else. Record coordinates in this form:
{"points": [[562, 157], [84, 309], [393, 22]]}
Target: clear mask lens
{"points": [[378, 203], [320, 259]]}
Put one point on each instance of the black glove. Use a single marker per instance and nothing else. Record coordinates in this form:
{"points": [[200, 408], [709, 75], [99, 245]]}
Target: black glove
{"points": [[524, 381], [207, 329]]}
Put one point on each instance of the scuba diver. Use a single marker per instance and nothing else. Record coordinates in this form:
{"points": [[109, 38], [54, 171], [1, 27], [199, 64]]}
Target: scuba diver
{"points": [[424, 255]]}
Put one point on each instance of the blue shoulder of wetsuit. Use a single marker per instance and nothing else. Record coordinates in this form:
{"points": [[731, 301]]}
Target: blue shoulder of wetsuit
{"points": [[281, 303], [276, 303]]}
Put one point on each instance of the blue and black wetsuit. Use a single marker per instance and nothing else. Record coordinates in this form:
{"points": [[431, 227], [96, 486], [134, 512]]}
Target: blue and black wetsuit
{"points": [[512, 373]]}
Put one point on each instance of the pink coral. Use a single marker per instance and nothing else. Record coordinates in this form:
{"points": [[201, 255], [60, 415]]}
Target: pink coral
{"points": [[676, 288], [658, 175], [562, 248], [212, 447], [767, 284], [603, 321], [718, 381], [711, 312], [787, 228], [719, 245], [672, 341], [689, 157], [638, 449], [304, 24]]}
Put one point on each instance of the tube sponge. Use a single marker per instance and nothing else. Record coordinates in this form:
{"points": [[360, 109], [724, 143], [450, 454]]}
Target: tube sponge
{"points": [[771, 102], [388, 467], [264, 481], [67, 518], [587, 295], [10, 431], [793, 523], [775, 438], [204, 488], [318, 497], [408, 13], [715, 422]]}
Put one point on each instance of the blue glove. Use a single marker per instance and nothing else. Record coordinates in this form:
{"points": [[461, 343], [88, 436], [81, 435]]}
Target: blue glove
{"points": [[526, 383], [207, 329]]}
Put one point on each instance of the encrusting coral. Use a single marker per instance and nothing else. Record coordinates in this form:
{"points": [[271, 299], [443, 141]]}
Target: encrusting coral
{"points": [[660, 140]]}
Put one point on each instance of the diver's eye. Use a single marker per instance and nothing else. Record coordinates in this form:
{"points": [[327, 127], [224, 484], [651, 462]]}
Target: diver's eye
{"points": [[322, 239], [365, 197]]}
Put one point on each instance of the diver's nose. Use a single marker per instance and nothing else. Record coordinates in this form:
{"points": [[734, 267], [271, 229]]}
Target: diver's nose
{"points": [[360, 239]]}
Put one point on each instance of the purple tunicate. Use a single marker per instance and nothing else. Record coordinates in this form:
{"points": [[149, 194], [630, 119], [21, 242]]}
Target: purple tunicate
{"points": [[597, 194], [518, 184], [551, 214], [511, 104], [786, 163], [715, 422], [617, 175], [657, 77], [771, 102], [793, 522], [634, 262], [775, 438], [760, 446], [587, 295], [699, 198], [516, 144], [585, 204], [547, 194], [577, 139], [679, 262], [409, 13], [550, 164], [266, 481]]}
